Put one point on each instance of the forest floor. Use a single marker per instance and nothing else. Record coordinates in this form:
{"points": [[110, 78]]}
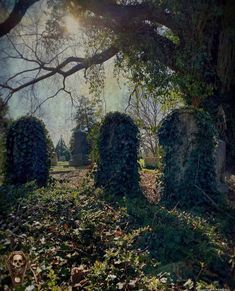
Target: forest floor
{"points": [[74, 179], [75, 236], [75, 176]]}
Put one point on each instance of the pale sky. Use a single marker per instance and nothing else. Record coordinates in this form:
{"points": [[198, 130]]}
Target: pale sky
{"points": [[57, 112]]}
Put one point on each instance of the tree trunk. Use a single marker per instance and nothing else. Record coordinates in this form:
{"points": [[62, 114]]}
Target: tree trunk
{"points": [[226, 72], [221, 104]]}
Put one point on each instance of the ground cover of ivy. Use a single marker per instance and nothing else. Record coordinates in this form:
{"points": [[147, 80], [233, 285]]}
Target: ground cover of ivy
{"points": [[128, 244]]}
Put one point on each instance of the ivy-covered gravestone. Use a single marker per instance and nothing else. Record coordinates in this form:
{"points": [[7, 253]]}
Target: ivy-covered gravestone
{"points": [[79, 149], [117, 168], [28, 152], [188, 139], [54, 159]]}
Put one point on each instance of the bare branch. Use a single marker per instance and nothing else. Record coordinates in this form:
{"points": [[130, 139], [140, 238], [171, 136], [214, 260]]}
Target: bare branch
{"points": [[130, 96], [63, 88], [48, 98], [82, 63], [21, 73]]}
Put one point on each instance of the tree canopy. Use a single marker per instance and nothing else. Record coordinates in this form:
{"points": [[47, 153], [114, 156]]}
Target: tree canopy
{"points": [[190, 45], [158, 34]]}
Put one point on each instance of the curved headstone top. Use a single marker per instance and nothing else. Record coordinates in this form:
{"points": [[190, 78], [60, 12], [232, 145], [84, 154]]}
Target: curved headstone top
{"points": [[189, 140]]}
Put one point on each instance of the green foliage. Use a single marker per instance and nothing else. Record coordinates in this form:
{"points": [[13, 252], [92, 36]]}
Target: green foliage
{"points": [[147, 110], [122, 268], [62, 150], [65, 228], [144, 70], [126, 245], [11, 194], [87, 113], [28, 152], [192, 183], [187, 245], [195, 61], [93, 140], [118, 146]]}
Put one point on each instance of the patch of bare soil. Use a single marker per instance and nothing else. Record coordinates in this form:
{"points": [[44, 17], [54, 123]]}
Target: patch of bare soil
{"points": [[75, 178], [148, 185]]}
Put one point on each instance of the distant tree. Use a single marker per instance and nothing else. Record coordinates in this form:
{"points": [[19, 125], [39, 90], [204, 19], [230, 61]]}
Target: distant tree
{"points": [[87, 118], [62, 150], [147, 110], [85, 115]]}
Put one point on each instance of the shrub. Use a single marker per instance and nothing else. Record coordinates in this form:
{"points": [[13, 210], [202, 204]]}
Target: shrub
{"points": [[117, 169], [28, 152]]}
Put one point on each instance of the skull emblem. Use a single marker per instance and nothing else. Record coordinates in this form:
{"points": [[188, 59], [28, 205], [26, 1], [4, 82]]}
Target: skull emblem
{"points": [[17, 264], [18, 261]]}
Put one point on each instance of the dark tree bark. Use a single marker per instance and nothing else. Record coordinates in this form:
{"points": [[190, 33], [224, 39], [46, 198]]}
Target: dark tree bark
{"points": [[223, 60], [16, 15]]}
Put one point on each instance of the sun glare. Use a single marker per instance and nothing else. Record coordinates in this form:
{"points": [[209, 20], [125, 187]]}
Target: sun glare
{"points": [[72, 24]]}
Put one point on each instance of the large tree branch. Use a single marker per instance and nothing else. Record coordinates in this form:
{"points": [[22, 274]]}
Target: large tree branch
{"points": [[166, 52], [165, 49], [82, 63], [132, 19], [130, 14], [16, 15]]}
